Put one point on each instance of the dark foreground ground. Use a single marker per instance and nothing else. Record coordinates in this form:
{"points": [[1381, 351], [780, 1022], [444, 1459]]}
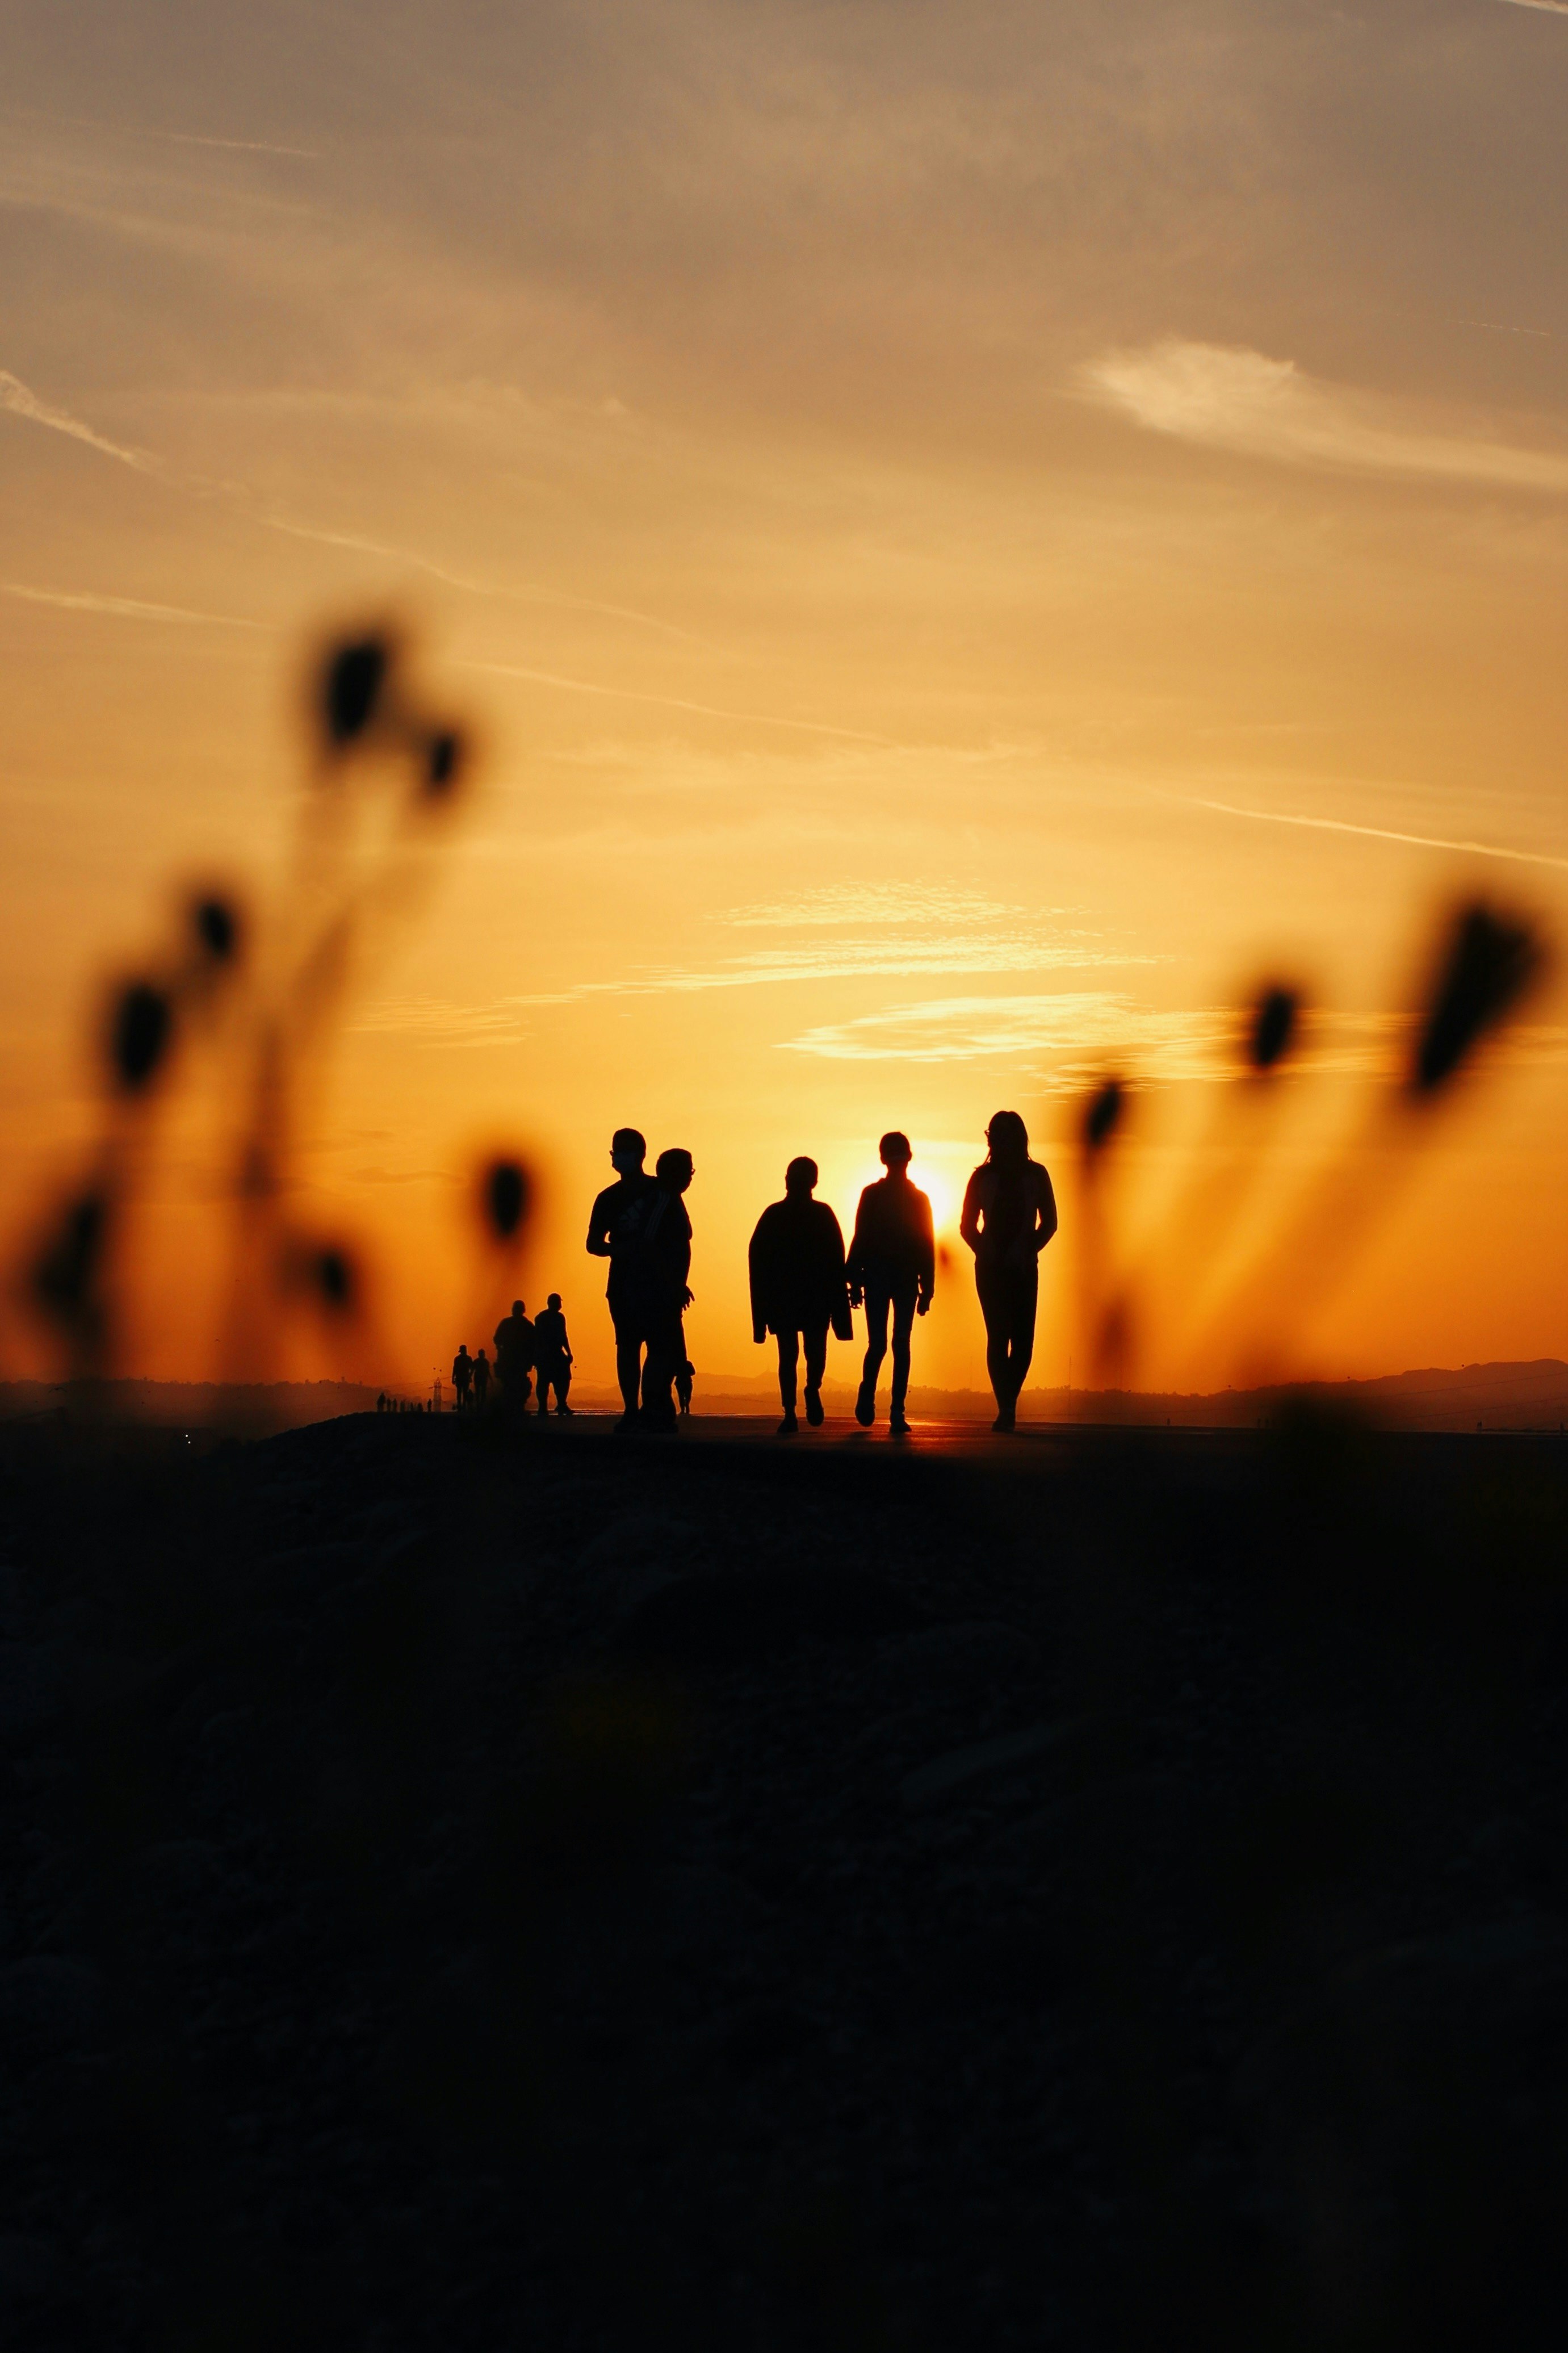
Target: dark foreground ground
{"points": [[461, 1891]]}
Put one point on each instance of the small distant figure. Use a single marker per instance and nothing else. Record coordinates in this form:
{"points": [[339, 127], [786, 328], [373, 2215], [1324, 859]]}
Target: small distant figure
{"points": [[684, 1375], [1009, 1216], [552, 1355], [666, 1263], [381, 1403], [516, 1344], [481, 1380], [799, 1288], [891, 1266], [463, 1378], [616, 1231]]}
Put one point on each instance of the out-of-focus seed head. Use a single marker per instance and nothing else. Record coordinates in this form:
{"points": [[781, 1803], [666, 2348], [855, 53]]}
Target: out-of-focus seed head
{"points": [[352, 682], [1274, 1017], [505, 1195], [326, 1272], [1102, 1115], [1487, 964], [218, 928], [445, 756], [335, 1280], [64, 1275], [141, 1029]]}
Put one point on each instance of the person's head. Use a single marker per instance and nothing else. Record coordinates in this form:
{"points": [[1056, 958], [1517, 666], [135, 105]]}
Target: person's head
{"points": [[481, 1357], [675, 1169], [800, 1178], [628, 1150], [517, 1308], [462, 1347], [554, 1301], [1008, 1139], [894, 1152]]}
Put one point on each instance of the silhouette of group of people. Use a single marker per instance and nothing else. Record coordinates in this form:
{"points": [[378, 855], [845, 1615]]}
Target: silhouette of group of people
{"points": [[526, 1348], [804, 1284]]}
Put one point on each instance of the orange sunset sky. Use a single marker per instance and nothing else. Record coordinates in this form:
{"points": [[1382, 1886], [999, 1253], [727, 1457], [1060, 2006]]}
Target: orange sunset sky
{"points": [[967, 535]]}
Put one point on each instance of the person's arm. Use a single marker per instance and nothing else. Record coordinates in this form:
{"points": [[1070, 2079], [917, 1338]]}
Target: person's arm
{"points": [[928, 1258], [598, 1242], [756, 1273], [1047, 1208], [855, 1264], [969, 1223]]}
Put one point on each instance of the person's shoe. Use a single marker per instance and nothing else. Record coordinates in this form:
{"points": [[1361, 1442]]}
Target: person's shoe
{"points": [[865, 1406], [898, 1422], [813, 1407], [627, 1425], [564, 1408], [789, 1425], [1005, 1420]]}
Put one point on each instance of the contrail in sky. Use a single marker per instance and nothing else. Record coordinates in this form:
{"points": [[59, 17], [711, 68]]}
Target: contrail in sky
{"points": [[126, 608], [1379, 833], [678, 702], [22, 401]]}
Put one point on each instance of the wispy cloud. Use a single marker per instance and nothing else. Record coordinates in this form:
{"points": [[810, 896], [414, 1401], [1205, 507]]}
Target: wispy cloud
{"points": [[1547, 7], [124, 608], [943, 953], [20, 400], [1076, 1030], [1226, 399], [893, 903], [1379, 833], [680, 702]]}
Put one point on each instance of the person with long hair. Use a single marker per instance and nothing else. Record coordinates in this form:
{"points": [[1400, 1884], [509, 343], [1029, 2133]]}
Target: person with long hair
{"points": [[1009, 1216]]}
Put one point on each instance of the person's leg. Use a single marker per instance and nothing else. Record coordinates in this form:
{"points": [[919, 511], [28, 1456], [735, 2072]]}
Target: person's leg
{"points": [[628, 1366], [1024, 1307], [815, 1365], [903, 1324], [878, 1303], [789, 1357], [999, 1328]]}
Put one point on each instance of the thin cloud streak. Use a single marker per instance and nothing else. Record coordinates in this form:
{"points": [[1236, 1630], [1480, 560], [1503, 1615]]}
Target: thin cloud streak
{"points": [[20, 399], [1079, 1027], [850, 960], [1225, 398], [1546, 7], [526, 595], [680, 702], [125, 608], [897, 904], [1379, 833]]}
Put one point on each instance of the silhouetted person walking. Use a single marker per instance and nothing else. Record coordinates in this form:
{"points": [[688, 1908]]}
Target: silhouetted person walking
{"points": [[463, 1376], [799, 1288], [891, 1265], [666, 1263], [552, 1354], [617, 1231], [1009, 1216], [685, 1378], [515, 1344], [481, 1379]]}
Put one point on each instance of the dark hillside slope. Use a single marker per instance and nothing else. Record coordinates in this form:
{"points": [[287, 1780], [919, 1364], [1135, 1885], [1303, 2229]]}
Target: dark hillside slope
{"points": [[461, 1891]]}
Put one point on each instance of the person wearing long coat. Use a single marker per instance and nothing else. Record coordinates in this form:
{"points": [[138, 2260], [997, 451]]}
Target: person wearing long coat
{"points": [[799, 1290]]}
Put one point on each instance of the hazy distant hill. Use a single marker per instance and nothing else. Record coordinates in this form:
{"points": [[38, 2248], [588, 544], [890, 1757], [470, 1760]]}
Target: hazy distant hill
{"points": [[1495, 1397]]}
